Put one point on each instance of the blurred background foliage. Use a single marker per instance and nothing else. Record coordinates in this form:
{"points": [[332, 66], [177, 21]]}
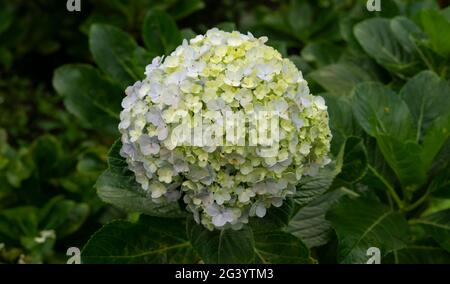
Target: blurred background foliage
{"points": [[51, 153]]}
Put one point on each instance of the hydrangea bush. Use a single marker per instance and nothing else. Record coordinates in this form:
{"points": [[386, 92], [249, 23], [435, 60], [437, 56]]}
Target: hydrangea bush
{"points": [[209, 77], [387, 96]]}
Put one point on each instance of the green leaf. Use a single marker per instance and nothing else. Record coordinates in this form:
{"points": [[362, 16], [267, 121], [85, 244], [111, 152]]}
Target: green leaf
{"points": [[116, 53], [17, 223], [222, 246], [415, 254], [406, 31], [321, 54], [385, 116], [354, 165], [442, 202], [185, 8], [122, 191], [438, 226], [300, 18], [437, 27], [380, 111], [116, 163], [341, 120], [309, 223], [160, 33], [47, 153], [118, 186], [280, 248], [273, 20], [275, 219], [340, 78], [362, 223], [63, 216], [435, 138], [405, 159], [378, 41], [428, 98], [414, 7], [90, 97], [310, 187], [19, 167], [150, 240]]}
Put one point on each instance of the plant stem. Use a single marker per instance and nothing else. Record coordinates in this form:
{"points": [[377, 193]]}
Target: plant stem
{"points": [[418, 202], [388, 186], [424, 58]]}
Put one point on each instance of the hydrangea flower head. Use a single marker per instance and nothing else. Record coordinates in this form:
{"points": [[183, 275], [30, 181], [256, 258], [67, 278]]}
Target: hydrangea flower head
{"points": [[176, 127]]}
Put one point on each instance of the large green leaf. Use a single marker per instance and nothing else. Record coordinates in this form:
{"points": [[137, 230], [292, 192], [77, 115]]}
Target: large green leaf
{"points": [[222, 246], [437, 27], [406, 31], [280, 247], [309, 223], [380, 111], [116, 53], [428, 98], [118, 186], [438, 226], [385, 116], [342, 123], [362, 223], [150, 240], [378, 41], [405, 158], [340, 78], [91, 98], [160, 33]]}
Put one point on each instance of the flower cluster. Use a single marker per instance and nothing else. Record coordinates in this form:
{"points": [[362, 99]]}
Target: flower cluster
{"points": [[222, 184]]}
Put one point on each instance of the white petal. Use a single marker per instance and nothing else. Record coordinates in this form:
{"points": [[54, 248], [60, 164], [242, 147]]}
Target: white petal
{"points": [[212, 210], [129, 101], [163, 132], [219, 220], [261, 210]]}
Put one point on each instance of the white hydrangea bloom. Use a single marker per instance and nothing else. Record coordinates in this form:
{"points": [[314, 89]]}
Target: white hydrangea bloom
{"points": [[223, 185]]}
